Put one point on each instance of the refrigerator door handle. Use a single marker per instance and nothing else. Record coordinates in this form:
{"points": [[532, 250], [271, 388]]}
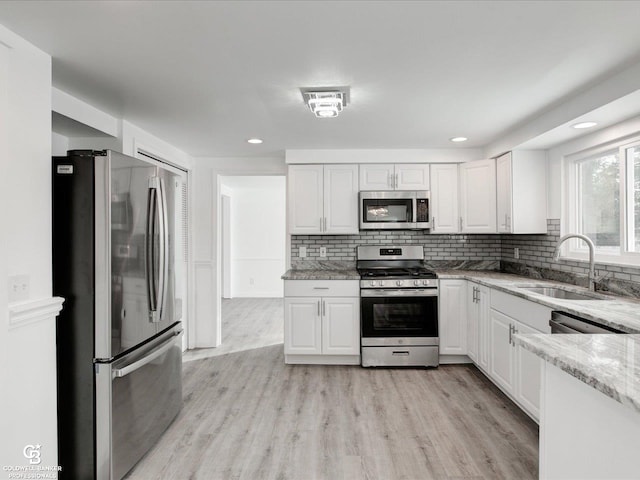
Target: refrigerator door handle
{"points": [[163, 251], [153, 354], [153, 209]]}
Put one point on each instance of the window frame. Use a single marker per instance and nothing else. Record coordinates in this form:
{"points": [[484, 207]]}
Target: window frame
{"points": [[575, 249]]}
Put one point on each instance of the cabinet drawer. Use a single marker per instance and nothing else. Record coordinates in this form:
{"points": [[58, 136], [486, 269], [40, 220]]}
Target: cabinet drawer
{"points": [[530, 313], [321, 288]]}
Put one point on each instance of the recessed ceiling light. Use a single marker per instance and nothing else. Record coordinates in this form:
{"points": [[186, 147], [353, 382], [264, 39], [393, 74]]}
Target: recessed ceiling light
{"points": [[584, 125], [458, 139], [255, 140]]}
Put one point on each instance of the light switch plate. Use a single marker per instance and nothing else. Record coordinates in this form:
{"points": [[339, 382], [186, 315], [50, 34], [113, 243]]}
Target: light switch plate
{"points": [[516, 253], [18, 288], [302, 252]]}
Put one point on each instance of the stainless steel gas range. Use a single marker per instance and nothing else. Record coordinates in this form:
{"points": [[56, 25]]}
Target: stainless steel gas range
{"points": [[398, 307]]}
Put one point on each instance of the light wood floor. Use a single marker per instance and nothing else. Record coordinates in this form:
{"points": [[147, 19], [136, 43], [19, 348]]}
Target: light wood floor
{"points": [[247, 415]]}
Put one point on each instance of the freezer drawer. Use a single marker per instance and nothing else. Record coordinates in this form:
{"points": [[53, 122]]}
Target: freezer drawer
{"points": [[137, 398]]}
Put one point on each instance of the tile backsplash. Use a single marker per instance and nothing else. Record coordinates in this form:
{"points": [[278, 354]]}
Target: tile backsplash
{"points": [[485, 252]]}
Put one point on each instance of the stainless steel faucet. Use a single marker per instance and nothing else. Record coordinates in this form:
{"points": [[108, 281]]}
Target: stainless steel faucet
{"points": [[587, 240]]}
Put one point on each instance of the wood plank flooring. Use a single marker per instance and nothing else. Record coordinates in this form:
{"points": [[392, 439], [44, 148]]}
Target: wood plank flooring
{"points": [[247, 415]]}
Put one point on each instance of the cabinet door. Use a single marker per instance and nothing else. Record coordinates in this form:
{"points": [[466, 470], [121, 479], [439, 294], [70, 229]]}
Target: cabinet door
{"points": [[302, 325], [501, 351], [527, 364], [376, 177], [305, 199], [444, 198], [341, 199], [484, 313], [452, 317], [341, 326], [504, 193], [412, 176], [473, 322], [478, 196]]}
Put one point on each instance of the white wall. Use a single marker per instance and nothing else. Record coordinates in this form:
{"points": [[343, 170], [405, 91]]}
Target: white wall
{"points": [[258, 216], [59, 144], [27, 348], [207, 244]]}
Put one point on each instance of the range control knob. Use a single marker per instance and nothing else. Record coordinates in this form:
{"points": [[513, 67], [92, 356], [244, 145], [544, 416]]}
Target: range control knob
{"points": [[373, 283], [426, 282], [399, 283], [416, 282]]}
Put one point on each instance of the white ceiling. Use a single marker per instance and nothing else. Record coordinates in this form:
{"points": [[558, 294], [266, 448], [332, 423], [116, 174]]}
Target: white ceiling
{"points": [[206, 76]]}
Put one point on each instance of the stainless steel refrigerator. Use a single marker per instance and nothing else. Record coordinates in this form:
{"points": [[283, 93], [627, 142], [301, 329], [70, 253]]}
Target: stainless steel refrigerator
{"points": [[117, 250]]}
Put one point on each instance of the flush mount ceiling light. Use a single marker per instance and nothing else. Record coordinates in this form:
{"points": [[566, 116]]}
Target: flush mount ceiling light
{"points": [[584, 125], [458, 139], [254, 141], [325, 102]]}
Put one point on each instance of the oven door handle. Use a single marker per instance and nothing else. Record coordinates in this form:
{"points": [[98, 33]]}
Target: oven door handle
{"points": [[400, 292]]}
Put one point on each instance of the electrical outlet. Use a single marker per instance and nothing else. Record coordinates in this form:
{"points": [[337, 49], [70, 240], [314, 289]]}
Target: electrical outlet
{"points": [[323, 252], [302, 252], [251, 281], [18, 288], [516, 253]]}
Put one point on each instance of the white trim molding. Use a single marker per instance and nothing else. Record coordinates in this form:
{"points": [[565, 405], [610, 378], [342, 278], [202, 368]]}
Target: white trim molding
{"points": [[25, 313]]}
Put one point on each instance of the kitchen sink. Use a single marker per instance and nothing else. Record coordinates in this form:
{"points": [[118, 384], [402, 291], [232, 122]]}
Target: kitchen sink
{"points": [[561, 293]]}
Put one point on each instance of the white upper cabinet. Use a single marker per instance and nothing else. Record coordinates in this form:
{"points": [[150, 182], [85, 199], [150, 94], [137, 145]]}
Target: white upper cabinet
{"points": [[521, 192], [478, 196], [379, 176], [412, 176], [401, 176], [323, 199], [444, 198], [341, 199]]}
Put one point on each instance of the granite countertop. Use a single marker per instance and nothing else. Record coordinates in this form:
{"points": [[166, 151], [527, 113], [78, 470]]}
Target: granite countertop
{"points": [[618, 312], [609, 363], [321, 274]]}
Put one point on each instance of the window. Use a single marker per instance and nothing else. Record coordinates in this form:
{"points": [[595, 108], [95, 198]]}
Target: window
{"points": [[604, 203]]}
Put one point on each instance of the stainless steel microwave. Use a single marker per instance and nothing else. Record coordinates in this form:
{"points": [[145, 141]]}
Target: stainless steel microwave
{"points": [[397, 210]]}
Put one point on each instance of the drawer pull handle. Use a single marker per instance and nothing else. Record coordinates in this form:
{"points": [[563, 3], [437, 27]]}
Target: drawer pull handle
{"points": [[321, 288], [402, 353]]}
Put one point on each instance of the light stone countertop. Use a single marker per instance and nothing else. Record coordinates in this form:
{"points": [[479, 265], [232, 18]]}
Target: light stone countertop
{"points": [[622, 313], [321, 274], [609, 363]]}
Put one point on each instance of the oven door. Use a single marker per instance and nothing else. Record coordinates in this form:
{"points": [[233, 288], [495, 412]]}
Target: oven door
{"points": [[410, 315]]}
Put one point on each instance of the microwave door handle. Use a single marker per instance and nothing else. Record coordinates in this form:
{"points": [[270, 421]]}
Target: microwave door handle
{"points": [[414, 210]]}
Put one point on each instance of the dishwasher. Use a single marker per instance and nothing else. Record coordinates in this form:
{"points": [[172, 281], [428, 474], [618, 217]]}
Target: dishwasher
{"points": [[562, 322]]}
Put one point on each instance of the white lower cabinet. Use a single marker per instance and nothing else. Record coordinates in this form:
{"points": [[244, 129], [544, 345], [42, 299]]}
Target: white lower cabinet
{"points": [[322, 322], [492, 318], [501, 365], [478, 324], [452, 317]]}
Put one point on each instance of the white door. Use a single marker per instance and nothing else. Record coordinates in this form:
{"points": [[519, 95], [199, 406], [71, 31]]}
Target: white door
{"points": [[527, 390], [302, 326], [341, 199], [478, 196], [452, 317], [377, 177], [412, 176], [501, 351], [444, 198], [305, 199], [504, 193], [341, 326]]}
